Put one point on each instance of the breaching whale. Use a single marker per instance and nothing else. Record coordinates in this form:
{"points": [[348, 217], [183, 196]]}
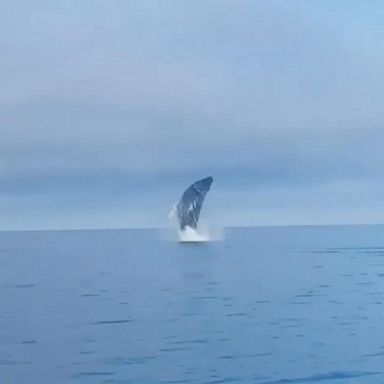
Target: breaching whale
{"points": [[189, 206]]}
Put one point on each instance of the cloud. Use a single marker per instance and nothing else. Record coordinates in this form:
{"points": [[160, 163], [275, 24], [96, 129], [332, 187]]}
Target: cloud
{"points": [[132, 96]]}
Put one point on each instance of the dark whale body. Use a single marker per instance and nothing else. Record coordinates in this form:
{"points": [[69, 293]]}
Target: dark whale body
{"points": [[189, 206]]}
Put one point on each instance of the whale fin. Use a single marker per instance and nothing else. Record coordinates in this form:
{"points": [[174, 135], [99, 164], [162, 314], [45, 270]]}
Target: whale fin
{"points": [[172, 212]]}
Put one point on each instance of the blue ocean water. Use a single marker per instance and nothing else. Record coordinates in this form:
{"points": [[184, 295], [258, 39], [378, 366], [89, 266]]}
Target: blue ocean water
{"points": [[265, 305]]}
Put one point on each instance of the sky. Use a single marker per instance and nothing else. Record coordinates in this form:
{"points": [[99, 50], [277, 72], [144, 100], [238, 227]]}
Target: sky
{"points": [[109, 110]]}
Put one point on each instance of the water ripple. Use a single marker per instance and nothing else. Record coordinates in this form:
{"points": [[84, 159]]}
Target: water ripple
{"points": [[107, 322], [322, 377]]}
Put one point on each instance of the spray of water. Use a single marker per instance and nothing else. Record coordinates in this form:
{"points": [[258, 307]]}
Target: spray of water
{"points": [[189, 235]]}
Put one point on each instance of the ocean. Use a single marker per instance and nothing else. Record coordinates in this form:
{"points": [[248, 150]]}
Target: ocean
{"points": [[270, 305]]}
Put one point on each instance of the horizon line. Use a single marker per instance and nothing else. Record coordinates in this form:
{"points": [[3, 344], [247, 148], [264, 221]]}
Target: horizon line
{"points": [[169, 228]]}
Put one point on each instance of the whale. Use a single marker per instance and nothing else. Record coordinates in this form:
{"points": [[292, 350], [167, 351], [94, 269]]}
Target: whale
{"points": [[188, 208]]}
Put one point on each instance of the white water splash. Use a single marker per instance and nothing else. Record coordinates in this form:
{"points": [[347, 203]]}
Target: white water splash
{"points": [[190, 235]]}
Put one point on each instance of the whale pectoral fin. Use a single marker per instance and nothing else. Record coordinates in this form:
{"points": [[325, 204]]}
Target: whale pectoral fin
{"points": [[172, 212]]}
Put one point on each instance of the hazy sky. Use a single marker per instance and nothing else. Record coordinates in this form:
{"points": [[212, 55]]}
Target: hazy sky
{"points": [[109, 109]]}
